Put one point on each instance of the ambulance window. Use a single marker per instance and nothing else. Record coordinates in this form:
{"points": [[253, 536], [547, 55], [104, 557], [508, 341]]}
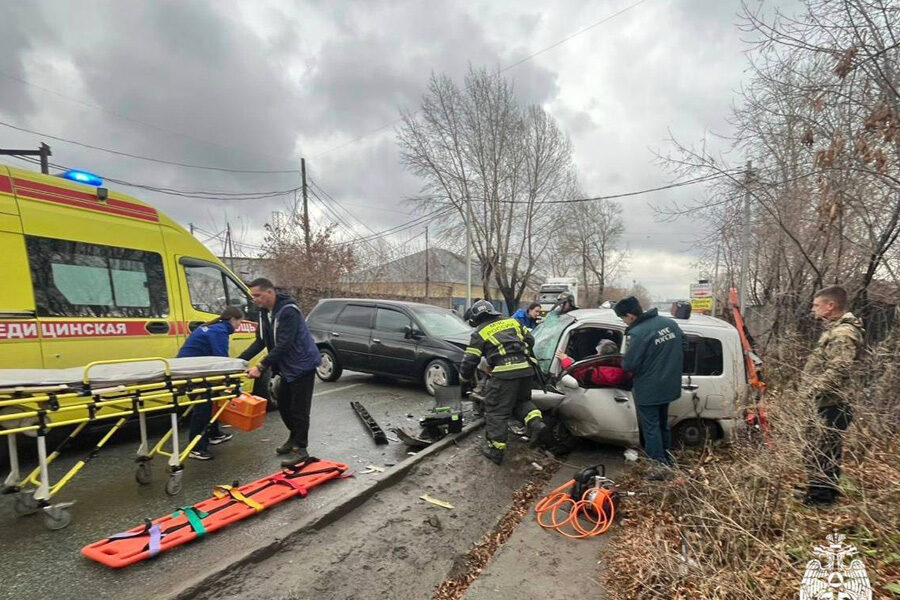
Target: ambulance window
{"points": [[211, 290], [238, 297], [75, 279], [703, 356], [206, 287]]}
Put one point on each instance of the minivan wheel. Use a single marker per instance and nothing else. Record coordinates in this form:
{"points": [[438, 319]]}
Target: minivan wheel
{"points": [[438, 372], [694, 433], [330, 369]]}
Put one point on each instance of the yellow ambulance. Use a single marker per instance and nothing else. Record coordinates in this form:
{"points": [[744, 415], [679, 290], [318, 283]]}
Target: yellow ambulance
{"points": [[87, 273]]}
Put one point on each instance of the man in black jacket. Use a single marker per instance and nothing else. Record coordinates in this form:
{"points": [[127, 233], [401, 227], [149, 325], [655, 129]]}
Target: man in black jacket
{"points": [[293, 355]]}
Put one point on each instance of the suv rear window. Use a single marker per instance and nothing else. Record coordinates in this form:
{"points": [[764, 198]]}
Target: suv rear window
{"points": [[703, 356], [355, 315], [325, 312]]}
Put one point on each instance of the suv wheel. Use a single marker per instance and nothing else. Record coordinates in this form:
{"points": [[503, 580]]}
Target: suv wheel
{"points": [[694, 433], [438, 372], [330, 369]]}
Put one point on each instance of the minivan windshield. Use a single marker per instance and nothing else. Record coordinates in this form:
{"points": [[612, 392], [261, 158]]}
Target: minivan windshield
{"points": [[546, 338], [440, 322]]}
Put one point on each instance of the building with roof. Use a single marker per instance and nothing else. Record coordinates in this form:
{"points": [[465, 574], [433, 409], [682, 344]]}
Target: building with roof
{"points": [[442, 276]]}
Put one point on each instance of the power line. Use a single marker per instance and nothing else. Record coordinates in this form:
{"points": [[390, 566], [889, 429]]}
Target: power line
{"points": [[503, 70], [147, 158], [199, 194], [703, 179], [574, 35], [132, 119]]}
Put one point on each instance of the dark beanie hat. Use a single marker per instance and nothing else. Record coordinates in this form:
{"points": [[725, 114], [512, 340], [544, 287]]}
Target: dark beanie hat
{"points": [[628, 306]]}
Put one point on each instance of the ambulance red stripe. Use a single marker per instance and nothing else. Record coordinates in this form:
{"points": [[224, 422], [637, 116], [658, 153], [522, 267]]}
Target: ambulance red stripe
{"points": [[68, 197]]}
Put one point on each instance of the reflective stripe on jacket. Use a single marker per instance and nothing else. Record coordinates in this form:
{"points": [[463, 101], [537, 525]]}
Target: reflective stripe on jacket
{"points": [[506, 346]]}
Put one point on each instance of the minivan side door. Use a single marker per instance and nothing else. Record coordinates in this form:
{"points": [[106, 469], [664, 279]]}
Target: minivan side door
{"points": [[351, 335], [392, 352]]}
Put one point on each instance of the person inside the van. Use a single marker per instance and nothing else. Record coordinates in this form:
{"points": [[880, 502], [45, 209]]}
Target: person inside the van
{"points": [[599, 375], [210, 339]]}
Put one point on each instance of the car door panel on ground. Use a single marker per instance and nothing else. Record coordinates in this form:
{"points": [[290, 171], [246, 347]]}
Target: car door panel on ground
{"points": [[352, 334], [392, 352]]}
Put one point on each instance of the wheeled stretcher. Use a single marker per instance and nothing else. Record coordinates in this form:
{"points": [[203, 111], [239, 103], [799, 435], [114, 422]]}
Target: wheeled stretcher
{"points": [[35, 401]]}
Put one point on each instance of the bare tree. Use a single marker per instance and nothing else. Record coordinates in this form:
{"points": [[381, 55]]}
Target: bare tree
{"points": [[319, 268], [820, 120], [592, 235], [484, 157]]}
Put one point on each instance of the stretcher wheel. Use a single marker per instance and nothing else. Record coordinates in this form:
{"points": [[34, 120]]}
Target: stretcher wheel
{"points": [[143, 475], [57, 518], [25, 504], [173, 485]]}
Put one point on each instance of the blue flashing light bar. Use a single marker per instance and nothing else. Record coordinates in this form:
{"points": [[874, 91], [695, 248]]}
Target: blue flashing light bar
{"points": [[83, 177]]}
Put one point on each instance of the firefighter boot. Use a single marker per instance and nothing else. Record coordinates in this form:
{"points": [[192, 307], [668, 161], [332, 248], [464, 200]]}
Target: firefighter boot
{"points": [[534, 426], [494, 452]]}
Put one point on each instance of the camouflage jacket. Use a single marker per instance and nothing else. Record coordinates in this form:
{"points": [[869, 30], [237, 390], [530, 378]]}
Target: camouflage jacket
{"points": [[828, 370]]}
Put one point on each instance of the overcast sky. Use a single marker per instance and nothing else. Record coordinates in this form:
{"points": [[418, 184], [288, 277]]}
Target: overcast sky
{"points": [[256, 85]]}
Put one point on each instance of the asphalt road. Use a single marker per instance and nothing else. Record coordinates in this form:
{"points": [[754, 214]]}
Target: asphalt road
{"points": [[38, 563]]}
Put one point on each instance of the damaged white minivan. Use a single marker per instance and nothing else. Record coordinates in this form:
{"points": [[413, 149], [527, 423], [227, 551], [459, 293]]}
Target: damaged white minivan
{"points": [[713, 380]]}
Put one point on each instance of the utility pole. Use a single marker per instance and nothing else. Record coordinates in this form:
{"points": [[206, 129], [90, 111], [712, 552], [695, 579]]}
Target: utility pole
{"points": [[745, 254], [715, 283], [305, 204], [43, 152], [426, 264], [468, 254], [229, 246]]}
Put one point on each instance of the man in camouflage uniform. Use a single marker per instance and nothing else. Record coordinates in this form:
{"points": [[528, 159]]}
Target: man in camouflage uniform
{"points": [[507, 348], [826, 378]]}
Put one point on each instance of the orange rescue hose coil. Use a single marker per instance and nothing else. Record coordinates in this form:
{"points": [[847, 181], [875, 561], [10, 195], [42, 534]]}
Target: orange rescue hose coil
{"points": [[598, 511]]}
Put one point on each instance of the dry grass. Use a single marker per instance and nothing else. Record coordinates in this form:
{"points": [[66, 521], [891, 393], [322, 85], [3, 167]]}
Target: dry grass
{"points": [[730, 528]]}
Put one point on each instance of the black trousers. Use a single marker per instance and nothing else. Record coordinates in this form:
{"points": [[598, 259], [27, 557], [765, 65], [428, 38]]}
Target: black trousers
{"points": [[294, 401], [503, 400], [824, 448]]}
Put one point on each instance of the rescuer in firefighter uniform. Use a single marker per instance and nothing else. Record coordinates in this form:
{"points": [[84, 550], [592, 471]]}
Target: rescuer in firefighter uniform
{"points": [[507, 348]]}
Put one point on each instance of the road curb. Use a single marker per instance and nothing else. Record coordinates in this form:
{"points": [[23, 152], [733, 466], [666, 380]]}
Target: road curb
{"points": [[317, 521]]}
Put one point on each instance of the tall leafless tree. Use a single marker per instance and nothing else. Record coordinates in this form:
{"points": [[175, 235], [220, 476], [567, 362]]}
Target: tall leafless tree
{"points": [[480, 152], [820, 120]]}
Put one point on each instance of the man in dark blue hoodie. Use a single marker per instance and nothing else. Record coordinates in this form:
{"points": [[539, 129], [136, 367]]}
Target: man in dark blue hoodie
{"points": [[654, 356], [293, 355]]}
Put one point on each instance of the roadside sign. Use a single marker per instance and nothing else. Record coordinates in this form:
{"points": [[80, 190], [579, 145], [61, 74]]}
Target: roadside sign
{"points": [[701, 304], [701, 290]]}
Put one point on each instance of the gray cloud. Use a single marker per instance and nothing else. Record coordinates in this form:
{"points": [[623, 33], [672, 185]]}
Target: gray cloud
{"points": [[246, 85]]}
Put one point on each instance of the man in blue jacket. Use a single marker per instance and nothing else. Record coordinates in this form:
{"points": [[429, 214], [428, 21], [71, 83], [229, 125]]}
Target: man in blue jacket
{"points": [[293, 355], [655, 356], [528, 317]]}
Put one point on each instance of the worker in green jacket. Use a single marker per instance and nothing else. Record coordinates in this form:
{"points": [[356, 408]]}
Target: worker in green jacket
{"points": [[654, 355]]}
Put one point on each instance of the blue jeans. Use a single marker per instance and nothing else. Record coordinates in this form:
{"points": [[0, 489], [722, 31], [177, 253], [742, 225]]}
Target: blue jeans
{"points": [[200, 416], [654, 421]]}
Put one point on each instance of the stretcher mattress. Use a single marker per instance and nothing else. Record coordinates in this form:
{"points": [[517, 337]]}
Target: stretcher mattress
{"points": [[119, 374]]}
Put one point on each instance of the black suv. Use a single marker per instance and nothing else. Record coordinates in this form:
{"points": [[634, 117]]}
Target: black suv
{"points": [[406, 340]]}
